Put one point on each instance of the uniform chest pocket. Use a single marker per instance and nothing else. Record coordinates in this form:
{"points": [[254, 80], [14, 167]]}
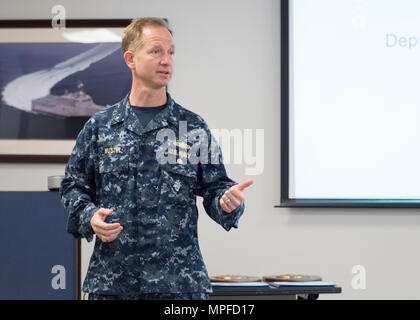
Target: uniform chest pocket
{"points": [[179, 183], [113, 179], [180, 176], [113, 163]]}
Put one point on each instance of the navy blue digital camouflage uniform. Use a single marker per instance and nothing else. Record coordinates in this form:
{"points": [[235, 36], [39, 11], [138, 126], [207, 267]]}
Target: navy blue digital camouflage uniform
{"points": [[114, 165]]}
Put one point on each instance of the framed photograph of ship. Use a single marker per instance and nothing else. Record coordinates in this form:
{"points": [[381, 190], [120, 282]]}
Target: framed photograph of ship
{"points": [[52, 80]]}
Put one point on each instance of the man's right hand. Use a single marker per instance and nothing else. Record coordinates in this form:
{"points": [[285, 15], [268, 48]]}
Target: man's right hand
{"points": [[105, 231]]}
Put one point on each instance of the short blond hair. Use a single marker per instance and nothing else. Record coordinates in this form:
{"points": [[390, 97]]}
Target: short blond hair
{"points": [[132, 35]]}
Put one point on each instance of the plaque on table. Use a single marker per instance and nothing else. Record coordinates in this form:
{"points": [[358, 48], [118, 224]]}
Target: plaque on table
{"points": [[234, 278], [291, 278]]}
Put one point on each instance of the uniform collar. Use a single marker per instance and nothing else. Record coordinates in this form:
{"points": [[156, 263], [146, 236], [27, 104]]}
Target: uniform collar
{"points": [[123, 113]]}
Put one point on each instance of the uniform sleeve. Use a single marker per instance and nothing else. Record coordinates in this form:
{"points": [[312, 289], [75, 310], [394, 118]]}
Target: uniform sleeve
{"points": [[77, 190], [213, 182]]}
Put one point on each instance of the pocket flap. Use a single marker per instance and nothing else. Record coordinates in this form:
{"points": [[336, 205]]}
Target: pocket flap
{"points": [[187, 170], [113, 159]]}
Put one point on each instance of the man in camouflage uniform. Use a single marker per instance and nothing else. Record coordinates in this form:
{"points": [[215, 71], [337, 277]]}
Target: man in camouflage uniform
{"points": [[134, 184]]}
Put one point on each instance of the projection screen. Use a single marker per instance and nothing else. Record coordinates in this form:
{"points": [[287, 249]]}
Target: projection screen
{"points": [[350, 103]]}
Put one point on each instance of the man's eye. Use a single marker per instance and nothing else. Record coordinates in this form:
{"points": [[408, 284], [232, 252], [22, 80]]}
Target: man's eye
{"points": [[155, 51]]}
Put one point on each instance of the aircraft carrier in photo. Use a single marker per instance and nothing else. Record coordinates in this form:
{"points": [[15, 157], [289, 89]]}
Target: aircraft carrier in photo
{"points": [[69, 104]]}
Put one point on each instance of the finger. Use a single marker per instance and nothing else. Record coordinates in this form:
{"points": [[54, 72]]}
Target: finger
{"points": [[245, 184], [105, 212], [102, 227], [109, 233], [114, 236], [99, 221], [237, 194], [109, 227], [107, 236], [231, 200], [224, 206], [229, 203]]}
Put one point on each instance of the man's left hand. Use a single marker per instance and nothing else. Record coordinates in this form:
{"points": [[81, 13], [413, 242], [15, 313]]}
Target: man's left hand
{"points": [[233, 197]]}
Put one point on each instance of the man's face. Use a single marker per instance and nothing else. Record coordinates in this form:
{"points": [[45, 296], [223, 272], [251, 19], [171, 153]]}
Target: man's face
{"points": [[153, 61]]}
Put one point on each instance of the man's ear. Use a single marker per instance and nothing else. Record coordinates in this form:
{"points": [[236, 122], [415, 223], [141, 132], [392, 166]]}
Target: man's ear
{"points": [[129, 59]]}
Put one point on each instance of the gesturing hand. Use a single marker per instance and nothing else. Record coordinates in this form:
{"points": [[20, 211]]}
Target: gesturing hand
{"points": [[233, 197], [105, 231]]}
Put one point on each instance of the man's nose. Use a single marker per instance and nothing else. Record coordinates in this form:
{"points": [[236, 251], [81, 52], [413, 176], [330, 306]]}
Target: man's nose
{"points": [[166, 59]]}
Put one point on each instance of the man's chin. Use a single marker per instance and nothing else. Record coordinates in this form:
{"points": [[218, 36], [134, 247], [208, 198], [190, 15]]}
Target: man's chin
{"points": [[161, 84]]}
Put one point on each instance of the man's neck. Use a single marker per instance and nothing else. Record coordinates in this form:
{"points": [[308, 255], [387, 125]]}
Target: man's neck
{"points": [[147, 97]]}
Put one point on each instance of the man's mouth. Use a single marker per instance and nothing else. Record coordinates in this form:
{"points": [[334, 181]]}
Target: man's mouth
{"points": [[163, 72]]}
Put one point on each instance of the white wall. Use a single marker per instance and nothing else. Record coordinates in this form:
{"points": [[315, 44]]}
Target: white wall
{"points": [[227, 68]]}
